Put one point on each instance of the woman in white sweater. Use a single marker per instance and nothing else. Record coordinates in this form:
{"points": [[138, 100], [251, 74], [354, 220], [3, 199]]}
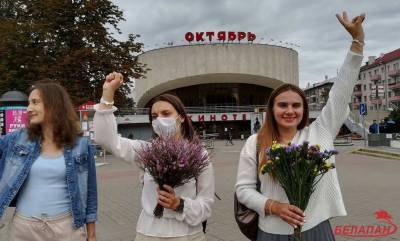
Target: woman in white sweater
{"points": [[287, 119], [187, 206]]}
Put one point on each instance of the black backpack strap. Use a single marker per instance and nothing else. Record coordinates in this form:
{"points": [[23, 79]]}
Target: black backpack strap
{"points": [[258, 185], [204, 223]]}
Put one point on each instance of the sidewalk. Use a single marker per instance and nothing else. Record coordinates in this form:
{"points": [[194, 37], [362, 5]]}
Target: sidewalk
{"points": [[368, 184]]}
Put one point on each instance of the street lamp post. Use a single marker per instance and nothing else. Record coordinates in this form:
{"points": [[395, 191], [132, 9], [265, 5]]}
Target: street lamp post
{"points": [[376, 103]]}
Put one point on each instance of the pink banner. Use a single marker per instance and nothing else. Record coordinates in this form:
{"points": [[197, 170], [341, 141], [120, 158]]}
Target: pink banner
{"points": [[15, 119]]}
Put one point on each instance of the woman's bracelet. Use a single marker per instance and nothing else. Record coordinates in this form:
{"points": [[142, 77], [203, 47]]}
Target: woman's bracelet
{"points": [[270, 207], [359, 42]]}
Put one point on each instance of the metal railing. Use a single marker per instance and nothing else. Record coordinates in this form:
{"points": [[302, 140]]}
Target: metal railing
{"points": [[199, 109]]}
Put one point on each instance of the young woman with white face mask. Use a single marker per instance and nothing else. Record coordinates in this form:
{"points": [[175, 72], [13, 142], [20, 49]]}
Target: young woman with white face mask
{"points": [[186, 207]]}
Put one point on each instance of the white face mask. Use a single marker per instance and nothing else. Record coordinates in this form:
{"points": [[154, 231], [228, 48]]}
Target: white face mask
{"points": [[164, 126]]}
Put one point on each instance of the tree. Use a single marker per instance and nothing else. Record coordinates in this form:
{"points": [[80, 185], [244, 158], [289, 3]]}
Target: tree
{"points": [[69, 41], [395, 116], [325, 95]]}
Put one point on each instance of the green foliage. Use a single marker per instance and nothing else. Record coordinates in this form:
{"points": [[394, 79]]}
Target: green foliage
{"points": [[395, 116], [70, 42]]}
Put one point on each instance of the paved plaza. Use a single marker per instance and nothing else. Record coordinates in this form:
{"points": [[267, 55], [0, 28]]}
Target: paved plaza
{"points": [[368, 184]]}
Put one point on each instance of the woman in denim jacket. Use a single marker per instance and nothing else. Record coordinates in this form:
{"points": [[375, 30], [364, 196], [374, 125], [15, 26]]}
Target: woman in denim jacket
{"points": [[48, 171]]}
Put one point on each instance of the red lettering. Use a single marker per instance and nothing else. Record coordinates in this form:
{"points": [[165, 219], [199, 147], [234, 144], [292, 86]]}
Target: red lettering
{"points": [[189, 117], [365, 231], [338, 230], [221, 36], [244, 117], [251, 36], [354, 229], [189, 37], [231, 36], [224, 117], [210, 35], [394, 229], [234, 116], [347, 230], [199, 36], [212, 117], [201, 118], [378, 230], [370, 230], [241, 35], [386, 230], [361, 231]]}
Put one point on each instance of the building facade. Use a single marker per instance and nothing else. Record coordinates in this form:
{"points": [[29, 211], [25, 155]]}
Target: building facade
{"points": [[378, 85], [317, 94], [223, 85]]}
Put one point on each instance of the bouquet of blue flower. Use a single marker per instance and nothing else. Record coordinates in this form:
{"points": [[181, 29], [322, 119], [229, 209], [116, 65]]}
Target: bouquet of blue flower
{"points": [[298, 168], [172, 161]]}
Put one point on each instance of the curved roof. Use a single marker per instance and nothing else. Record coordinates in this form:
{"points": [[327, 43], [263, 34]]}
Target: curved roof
{"points": [[182, 66], [14, 96]]}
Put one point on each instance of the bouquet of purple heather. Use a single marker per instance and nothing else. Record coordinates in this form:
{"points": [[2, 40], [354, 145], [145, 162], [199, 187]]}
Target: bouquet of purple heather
{"points": [[298, 168], [173, 162]]}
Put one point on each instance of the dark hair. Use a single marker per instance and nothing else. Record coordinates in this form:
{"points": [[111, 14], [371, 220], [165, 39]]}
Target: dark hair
{"points": [[269, 131], [59, 113], [187, 129]]}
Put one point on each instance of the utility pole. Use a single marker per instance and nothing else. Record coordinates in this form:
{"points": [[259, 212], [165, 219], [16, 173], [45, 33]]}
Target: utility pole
{"points": [[376, 102]]}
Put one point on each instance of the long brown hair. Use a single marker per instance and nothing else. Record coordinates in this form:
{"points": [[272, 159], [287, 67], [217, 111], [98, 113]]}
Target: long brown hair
{"points": [[187, 129], [269, 131], [59, 114]]}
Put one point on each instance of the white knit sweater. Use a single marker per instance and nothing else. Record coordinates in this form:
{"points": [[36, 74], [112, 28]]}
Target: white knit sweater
{"points": [[326, 201], [198, 196]]}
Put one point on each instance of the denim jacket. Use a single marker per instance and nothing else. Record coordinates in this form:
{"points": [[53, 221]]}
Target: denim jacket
{"points": [[17, 154]]}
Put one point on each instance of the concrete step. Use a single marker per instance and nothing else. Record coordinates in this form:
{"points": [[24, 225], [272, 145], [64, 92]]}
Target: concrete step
{"points": [[377, 153]]}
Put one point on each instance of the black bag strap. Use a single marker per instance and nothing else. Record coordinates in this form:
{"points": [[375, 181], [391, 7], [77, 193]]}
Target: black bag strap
{"points": [[204, 223], [258, 185]]}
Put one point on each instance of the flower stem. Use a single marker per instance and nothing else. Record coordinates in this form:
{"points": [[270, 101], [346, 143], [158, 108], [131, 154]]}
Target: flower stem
{"points": [[297, 234], [158, 211]]}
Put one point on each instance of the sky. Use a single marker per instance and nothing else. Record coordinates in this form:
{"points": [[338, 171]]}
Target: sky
{"points": [[311, 25]]}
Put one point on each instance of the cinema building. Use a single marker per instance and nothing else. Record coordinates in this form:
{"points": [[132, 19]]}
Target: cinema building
{"points": [[224, 85]]}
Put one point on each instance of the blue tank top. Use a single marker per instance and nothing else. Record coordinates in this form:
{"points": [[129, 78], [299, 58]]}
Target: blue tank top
{"points": [[44, 192]]}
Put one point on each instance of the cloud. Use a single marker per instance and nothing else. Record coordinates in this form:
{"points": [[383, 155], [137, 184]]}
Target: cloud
{"points": [[311, 24]]}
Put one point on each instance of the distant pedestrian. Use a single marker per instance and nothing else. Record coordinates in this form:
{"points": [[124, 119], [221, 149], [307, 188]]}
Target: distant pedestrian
{"points": [[373, 128], [228, 137], [256, 126]]}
